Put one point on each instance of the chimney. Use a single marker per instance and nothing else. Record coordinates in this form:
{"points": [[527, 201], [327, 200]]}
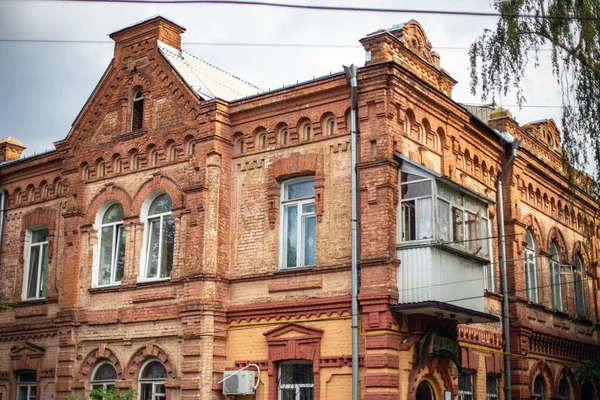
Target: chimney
{"points": [[147, 31], [10, 149], [502, 121]]}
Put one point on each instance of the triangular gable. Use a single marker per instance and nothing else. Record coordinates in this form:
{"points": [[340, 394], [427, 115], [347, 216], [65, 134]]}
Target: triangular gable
{"points": [[293, 330], [27, 348]]}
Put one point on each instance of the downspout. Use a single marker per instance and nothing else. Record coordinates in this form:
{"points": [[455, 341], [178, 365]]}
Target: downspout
{"points": [[351, 76], [506, 319], [2, 204]]}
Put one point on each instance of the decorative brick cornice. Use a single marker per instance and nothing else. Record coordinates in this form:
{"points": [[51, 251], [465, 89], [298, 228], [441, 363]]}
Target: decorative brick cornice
{"points": [[289, 310], [476, 336]]}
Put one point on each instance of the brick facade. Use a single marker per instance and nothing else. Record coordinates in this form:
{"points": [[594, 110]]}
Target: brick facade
{"points": [[226, 301]]}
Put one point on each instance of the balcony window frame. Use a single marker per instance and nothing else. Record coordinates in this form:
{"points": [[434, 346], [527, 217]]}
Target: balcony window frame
{"points": [[464, 203]]}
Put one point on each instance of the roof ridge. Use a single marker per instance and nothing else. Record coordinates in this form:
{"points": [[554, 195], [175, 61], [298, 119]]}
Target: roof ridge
{"points": [[222, 70]]}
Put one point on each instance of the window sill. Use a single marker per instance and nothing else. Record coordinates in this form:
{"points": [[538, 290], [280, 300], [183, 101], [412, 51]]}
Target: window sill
{"points": [[146, 282], [35, 302], [105, 289], [446, 246], [295, 269]]}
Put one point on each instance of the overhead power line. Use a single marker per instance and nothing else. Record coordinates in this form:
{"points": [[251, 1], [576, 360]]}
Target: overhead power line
{"points": [[335, 8]]}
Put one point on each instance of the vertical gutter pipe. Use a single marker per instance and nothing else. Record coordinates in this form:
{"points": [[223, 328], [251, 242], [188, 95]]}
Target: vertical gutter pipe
{"points": [[506, 319], [351, 77], [2, 209]]}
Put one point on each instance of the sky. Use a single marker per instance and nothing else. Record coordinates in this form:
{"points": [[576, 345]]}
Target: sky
{"points": [[44, 85]]}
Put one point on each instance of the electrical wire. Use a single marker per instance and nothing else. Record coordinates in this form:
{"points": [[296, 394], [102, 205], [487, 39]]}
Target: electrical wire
{"points": [[334, 8]]}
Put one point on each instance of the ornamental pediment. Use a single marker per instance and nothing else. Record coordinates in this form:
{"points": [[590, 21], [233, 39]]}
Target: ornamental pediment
{"points": [[293, 330], [26, 349]]}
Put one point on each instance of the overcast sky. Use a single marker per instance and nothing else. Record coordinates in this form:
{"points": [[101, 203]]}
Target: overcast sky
{"points": [[43, 86]]}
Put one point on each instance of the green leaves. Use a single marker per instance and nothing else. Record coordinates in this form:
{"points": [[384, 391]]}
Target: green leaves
{"points": [[112, 393], [570, 29]]}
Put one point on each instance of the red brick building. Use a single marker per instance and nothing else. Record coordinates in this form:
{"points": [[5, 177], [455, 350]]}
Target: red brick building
{"points": [[190, 224]]}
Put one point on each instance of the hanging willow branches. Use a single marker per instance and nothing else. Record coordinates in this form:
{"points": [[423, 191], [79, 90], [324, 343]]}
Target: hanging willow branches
{"points": [[570, 29]]}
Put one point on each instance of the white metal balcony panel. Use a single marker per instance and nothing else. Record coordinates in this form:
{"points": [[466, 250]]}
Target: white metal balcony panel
{"points": [[430, 273]]}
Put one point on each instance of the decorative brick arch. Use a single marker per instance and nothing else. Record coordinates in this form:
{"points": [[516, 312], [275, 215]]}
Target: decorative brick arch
{"points": [[533, 225], [138, 79], [555, 235], [428, 369], [142, 355], [159, 182], [293, 166], [566, 373], [578, 248], [293, 342], [542, 368], [110, 192], [96, 356]]}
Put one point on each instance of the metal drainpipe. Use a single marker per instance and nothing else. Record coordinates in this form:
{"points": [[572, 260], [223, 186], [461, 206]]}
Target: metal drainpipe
{"points": [[351, 76], [506, 320], [2, 201]]}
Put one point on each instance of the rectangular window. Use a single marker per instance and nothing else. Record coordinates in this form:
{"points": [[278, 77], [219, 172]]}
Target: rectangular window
{"points": [[26, 385], [296, 381], [36, 264], [429, 209], [465, 386], [299, 224], [556, 285], [492, 390], [530, 276]]}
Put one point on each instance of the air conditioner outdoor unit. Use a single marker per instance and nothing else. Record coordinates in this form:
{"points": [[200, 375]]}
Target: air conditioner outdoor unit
{"points": [[238, 383]]}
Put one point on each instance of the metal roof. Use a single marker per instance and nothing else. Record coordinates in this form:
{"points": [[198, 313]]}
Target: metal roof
{"points": [[206, 80]]}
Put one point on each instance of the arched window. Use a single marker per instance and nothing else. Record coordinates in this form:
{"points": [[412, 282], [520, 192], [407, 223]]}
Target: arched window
{"points": [[239, 143], [538, 388], [100, 168], [152, 381], [104, 376], [306, 131], [563, 389], [578, 279], [18, 197], [424, 391], [261, 140], [530, 268], [58, 188], [555, 277], [160, 238], [44, 191], [117, 164], [86, 174], [190, 145], [111, 261], [329, 127], [31, 194], [137, 111], [283, 136], [134, 160], [172, 152], [152, 156]]}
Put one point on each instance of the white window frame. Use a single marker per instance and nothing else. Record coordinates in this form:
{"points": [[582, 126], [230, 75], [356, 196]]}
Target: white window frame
{"points": [[147, 219], [29, 245], [106, 384], [300, 262], [555, 277], [465, 392], [154, 382], [117, 226], [578, 269], [435, 196], [296, 386], [31, 387], [531, 288]]}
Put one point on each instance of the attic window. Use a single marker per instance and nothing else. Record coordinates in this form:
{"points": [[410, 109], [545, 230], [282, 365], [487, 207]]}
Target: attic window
{"points": [[137, 116]]}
